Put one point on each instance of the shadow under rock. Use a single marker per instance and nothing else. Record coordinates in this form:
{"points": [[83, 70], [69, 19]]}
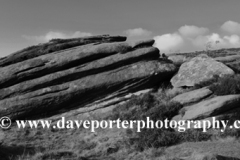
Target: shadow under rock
{"points": [[12, 152]]}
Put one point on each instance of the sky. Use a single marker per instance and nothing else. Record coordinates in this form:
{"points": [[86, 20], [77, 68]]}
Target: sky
{"points": [[176, 25]]}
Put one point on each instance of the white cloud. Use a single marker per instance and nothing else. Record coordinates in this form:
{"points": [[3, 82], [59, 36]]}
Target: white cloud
{"points": [[54, 34], [231, 27], [192, 38], [216, 41], [202, 41], [192, 31], [137, 32], [169, 42], [234, 40], [186, 37]]}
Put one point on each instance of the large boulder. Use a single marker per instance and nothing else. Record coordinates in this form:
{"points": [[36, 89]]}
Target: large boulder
{"points": [[198, 70]]}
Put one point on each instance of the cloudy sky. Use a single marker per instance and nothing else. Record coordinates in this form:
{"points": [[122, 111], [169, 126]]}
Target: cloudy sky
{"points": [[176, 25]]}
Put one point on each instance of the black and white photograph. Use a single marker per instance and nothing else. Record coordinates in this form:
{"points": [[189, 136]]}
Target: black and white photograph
{"points": [[119, 79]]}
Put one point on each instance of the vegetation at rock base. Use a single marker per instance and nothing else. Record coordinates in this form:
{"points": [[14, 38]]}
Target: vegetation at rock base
{"points": [[226, 85], [156, 106], [78, 144]]}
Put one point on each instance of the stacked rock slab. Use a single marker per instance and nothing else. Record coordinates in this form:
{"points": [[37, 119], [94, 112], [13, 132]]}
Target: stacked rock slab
{"points": [[56, 45], [192, 96], [74, 77]]}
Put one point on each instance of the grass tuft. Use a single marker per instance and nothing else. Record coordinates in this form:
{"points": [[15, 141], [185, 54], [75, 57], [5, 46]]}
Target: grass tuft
{"points": [[226, 85]]}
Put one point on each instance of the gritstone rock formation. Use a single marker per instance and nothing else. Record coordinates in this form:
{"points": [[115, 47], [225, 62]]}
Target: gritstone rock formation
{"points": [[73, 73]]}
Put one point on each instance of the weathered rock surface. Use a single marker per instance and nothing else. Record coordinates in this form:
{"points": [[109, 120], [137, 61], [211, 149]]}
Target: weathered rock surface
{"points": [[57, 61], [211, 107], [56, 45], [192, 96], [57, 82], [143, 43], [87, 69], [74, 93], [198, 70]]}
